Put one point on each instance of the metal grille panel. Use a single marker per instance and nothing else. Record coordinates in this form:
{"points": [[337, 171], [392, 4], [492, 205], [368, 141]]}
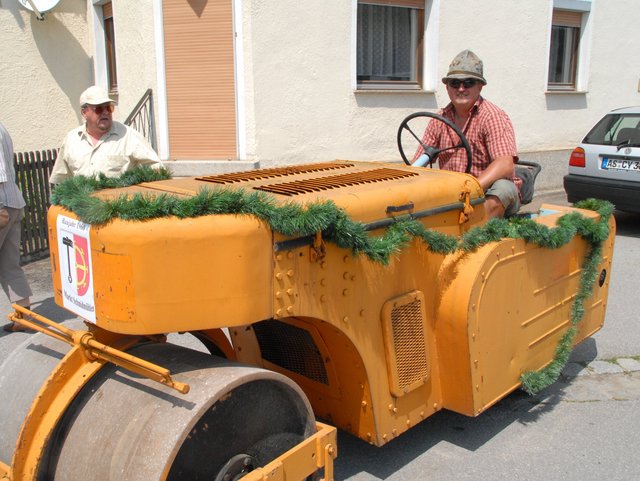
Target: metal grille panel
{"points": [[291, 348], [409, 344], [336, 181], [405, 336], [262, 174]]}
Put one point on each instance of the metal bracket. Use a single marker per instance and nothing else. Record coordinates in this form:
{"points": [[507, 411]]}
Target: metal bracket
{"points": [[318, 250], [465, 198]]}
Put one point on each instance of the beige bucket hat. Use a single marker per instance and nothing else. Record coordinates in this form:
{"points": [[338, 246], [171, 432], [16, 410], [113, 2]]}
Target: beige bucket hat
{"points": [[465, 65]]}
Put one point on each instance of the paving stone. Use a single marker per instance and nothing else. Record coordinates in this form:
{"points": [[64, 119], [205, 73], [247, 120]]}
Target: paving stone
{"points": [[628, 364], [604, 367]]}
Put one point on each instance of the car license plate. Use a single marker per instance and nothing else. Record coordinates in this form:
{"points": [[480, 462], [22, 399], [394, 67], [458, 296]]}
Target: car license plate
{"points": [[620, 164]]}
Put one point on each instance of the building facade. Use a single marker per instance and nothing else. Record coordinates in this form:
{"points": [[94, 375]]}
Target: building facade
{"points": [[240, 83]]}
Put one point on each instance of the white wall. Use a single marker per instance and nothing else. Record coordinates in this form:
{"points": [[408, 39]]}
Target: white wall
{"points": [[305, 108], [135, 53], [44, 66]]}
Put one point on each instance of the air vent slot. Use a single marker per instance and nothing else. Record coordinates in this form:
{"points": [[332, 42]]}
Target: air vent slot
{"points": [[405, 337], [276, 172], [291, 348], [336, 181]]}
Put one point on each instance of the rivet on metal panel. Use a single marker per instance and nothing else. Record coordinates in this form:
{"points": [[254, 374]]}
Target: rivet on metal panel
{"points": [[278, 295], [369, 436], [345, 276], [323, 282], [345, 292], [394, 432], [279, 257], [363, 404], [408, 422], [290, 309], [346, 259], [279, 275], [422, 412], [353, 277], [384, 436], [475, 362], [362, 312], [290, 272], [477, 387], [498, 254], [484, 276], [279, 313], [290, 255], [323, 298], [473, 336], [473, 307], [345, 319], [290, 291], [323, 265], [103, 247], [390, 407]]}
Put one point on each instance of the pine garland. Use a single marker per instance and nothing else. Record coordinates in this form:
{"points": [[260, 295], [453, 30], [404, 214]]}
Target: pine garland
{"points": [[292, 219]]}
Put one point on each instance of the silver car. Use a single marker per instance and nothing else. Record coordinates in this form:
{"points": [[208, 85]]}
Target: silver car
{"points": [[606, 165]]}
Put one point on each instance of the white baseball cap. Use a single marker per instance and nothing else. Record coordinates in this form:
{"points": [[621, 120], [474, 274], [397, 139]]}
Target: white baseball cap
{"points": [[95, 95]]}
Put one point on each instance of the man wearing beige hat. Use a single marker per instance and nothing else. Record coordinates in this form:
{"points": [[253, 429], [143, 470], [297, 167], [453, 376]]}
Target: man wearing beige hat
{"points": [[101, 145], [488, 130]]}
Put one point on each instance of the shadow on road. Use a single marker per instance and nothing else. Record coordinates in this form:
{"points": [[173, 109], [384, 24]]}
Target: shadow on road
{"points": [[356, 456]]}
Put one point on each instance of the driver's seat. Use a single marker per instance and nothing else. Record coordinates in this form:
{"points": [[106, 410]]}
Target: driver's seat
{"points": [[527, 172]]}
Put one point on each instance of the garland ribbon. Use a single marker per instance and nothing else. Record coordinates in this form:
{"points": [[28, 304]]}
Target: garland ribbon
{"points": [[292, 219]]}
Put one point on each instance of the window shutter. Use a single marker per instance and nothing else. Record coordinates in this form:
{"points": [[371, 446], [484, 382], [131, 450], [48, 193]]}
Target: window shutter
{"points": [[418, 4], [107, 10], [566, 18]]}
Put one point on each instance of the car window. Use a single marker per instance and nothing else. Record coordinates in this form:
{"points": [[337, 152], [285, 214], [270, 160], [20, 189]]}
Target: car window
{"points": [[614, 129]]}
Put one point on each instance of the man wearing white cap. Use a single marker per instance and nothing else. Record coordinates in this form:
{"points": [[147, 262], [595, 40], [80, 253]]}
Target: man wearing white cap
{"points": [[101, 145], [488, 130]]}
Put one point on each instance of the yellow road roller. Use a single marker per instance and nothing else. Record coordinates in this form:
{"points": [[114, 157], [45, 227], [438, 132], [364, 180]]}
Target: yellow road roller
{"points": [[364, 296]]}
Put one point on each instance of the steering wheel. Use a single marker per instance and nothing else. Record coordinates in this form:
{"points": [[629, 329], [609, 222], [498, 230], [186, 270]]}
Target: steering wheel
{"points": [[433, 152]]}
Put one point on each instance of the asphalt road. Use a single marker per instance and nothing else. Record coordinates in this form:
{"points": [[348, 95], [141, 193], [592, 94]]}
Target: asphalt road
{"points": [[584, 427]]}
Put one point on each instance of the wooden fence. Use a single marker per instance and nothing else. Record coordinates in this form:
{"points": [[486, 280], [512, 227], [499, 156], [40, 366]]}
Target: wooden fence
{"points": [[32, 175]]}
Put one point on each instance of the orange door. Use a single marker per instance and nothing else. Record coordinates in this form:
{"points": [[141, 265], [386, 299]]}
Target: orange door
{"points": [[199, 58]]}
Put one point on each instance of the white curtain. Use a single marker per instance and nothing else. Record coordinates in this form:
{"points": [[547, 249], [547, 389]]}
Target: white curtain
{"points": [[386, 43]]}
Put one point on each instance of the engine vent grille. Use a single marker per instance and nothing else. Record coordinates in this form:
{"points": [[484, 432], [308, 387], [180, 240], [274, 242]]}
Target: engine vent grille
{"points": [[291, 348], [406, 342], [262, 174], [335, 181]]}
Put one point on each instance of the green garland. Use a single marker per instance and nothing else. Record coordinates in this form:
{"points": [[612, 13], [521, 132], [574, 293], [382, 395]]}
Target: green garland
{"points": [[295, 220]]}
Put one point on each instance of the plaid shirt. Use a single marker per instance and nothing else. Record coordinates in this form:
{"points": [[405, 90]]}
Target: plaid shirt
{"points": [[488, 130]]}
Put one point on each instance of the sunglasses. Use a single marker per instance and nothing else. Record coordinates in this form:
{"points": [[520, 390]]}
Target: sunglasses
{"points": [[98, 109], [467, 83]]}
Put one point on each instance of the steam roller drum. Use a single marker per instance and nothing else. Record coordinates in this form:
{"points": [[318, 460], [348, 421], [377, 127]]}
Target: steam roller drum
{"points": [[125, 427], [22, 374]]}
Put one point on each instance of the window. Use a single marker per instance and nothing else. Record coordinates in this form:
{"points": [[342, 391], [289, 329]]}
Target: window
{"points": [[563, 56], [110, 47], [389, 44]]}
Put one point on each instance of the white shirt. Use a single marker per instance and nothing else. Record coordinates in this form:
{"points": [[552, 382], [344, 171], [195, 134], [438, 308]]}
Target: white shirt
{"points": [[10, 195], [119, 150]]}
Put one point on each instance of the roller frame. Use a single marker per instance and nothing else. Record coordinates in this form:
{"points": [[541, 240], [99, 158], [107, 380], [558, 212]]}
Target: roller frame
{"points": [[81, 364]]}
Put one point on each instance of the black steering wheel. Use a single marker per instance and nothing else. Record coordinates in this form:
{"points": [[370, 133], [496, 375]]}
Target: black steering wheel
{"points": [[433, 152]]}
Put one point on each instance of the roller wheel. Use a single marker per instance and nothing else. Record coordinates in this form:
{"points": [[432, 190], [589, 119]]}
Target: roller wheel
{"points": [[123, 427]]}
